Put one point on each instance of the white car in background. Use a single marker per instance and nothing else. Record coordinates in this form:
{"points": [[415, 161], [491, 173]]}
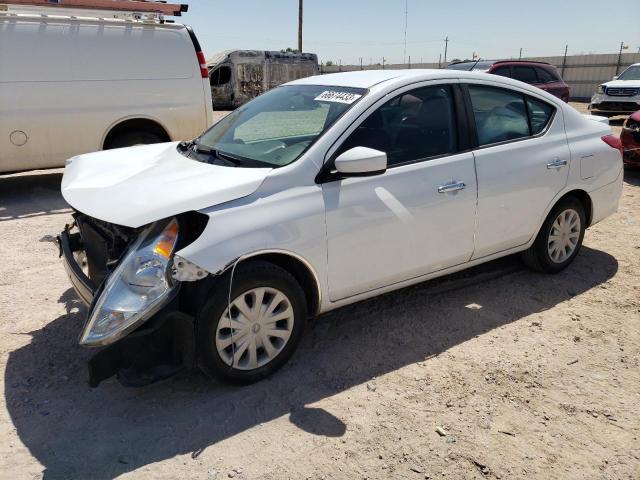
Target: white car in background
{"points": [[72, 83], [621, 96], [315, 195]]}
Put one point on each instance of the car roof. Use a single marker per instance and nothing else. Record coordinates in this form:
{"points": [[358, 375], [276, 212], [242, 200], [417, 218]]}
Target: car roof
{"points": [[369, 78]]}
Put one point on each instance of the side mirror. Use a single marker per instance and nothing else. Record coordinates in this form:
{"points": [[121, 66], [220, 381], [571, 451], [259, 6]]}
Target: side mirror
{"points": [[361, 162], [615, 77]]}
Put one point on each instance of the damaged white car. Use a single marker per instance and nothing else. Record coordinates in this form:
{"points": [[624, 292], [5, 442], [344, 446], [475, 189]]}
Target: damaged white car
{"points": [[320, 193]]}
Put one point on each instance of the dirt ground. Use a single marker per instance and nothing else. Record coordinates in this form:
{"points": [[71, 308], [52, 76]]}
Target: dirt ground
{"points": [[525, 376]]}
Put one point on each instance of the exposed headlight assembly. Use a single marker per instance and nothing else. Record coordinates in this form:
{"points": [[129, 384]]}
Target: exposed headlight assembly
{"points": [[600, 89], [139, 286]]}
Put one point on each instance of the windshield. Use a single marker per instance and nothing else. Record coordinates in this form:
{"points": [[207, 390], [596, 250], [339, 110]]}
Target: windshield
{"points": [[276, 128], [631, 73]]}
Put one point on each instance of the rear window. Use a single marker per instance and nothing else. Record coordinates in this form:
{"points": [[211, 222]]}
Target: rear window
{"points": [[502, 115], [502, 71], [525, 74], [545, 75], [539, 113]]}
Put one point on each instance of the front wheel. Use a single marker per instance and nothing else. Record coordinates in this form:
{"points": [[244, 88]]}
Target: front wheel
{"points": [[261, 329], [559, 239]]}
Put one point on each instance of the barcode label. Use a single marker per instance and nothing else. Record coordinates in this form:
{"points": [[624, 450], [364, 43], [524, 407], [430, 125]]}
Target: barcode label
{"points": [[339, 97]]}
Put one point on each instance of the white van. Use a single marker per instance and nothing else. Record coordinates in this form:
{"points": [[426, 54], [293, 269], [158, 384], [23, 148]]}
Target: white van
{"points": [[77, 84]]}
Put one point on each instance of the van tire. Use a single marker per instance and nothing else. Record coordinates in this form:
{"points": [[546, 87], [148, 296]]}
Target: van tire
{"points": [[136, 137]]}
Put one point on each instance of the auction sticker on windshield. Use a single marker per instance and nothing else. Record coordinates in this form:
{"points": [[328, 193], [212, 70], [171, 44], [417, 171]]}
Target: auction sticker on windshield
{"points": [[339, 97]]}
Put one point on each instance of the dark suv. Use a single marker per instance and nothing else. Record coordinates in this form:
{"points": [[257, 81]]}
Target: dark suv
{"points": [[541, 74]]}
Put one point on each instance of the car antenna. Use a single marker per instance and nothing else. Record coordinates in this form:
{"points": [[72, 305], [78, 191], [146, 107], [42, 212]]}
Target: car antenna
{"points": [[474, 65]]}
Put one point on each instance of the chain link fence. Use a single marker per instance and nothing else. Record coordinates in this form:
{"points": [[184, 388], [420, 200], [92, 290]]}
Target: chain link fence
{"points": [[583, 73]]}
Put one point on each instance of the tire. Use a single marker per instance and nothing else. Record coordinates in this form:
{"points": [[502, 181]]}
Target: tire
{"points": [[215, 341], [548, 256], [135, 137]]}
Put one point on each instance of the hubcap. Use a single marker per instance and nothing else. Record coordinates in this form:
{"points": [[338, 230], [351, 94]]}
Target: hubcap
{"points": [[256, 330], [564, 236]]}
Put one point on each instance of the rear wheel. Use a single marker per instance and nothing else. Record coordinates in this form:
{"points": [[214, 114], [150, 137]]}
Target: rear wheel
{"points": [[261, 329], [559, 239]]}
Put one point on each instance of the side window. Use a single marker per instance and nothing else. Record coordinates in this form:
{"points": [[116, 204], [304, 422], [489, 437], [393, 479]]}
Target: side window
{"points": [[500, 114], [525, 74], [544, 75], [540, 113], [412, 126], [220, 76], [502, 71]]}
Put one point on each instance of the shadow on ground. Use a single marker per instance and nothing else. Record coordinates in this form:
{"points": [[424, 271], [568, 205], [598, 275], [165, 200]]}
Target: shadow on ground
{"points": [[78, 432], [31, 194]]}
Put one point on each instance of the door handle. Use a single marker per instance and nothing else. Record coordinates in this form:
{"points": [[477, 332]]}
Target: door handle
{"points": [[451, 187], [557, 163]]}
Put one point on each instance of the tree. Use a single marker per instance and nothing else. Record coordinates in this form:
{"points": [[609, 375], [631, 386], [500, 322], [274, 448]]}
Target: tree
{"points": [[329, 63]]}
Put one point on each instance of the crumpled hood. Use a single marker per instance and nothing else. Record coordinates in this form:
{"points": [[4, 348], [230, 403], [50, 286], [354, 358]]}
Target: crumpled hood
{"points": [[138, 185]]}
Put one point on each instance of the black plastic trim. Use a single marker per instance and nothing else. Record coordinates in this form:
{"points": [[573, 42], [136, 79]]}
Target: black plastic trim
{"points": [[83, 286]]}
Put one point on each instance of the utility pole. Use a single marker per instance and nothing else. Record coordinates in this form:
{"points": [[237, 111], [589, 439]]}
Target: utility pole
{"points": [[404, 52], [564, 59], [440, 61], [382, 63], [360, 63], [409, 62], [446, 44], [300, 26], [622, 47], [520, 56]]}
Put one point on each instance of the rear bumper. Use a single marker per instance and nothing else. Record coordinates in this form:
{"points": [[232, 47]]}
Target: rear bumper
{"points": [[68, 244]]}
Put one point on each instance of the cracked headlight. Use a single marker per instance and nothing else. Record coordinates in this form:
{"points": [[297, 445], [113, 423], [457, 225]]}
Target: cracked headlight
{"points": [[139, 286]]}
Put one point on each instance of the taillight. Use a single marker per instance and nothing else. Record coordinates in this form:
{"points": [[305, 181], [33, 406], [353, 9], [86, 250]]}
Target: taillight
{"points": [[613, 141], [204, 72]]}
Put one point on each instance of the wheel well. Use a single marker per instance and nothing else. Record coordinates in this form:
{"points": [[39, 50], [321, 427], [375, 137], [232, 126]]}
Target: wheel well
{"points": [[136, 124], [301, 272], [584, 198]]}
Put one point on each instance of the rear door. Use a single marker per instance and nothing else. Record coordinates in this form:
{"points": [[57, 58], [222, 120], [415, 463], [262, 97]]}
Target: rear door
{"points": [[418, 216], [521, 162]]}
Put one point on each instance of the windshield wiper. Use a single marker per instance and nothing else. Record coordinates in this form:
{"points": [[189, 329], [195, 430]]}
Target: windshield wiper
{"points": [[206, 150]]}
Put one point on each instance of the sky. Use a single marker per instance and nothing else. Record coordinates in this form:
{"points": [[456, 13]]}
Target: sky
{"points": [[347, 30]]}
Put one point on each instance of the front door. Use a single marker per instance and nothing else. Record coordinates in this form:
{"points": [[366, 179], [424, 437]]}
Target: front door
{"points": [[417, 217], [522, 163]]}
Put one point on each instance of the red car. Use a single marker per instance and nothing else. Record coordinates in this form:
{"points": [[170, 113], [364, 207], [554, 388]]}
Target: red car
{"points": [[540, 74], [630, 140]]}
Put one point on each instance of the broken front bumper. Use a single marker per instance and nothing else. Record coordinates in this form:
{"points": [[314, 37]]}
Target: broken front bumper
{"points": [[68, 244], [162, 346]]}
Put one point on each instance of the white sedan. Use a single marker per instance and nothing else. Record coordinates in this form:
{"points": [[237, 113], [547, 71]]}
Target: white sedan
{"points": [[320, 193]]}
